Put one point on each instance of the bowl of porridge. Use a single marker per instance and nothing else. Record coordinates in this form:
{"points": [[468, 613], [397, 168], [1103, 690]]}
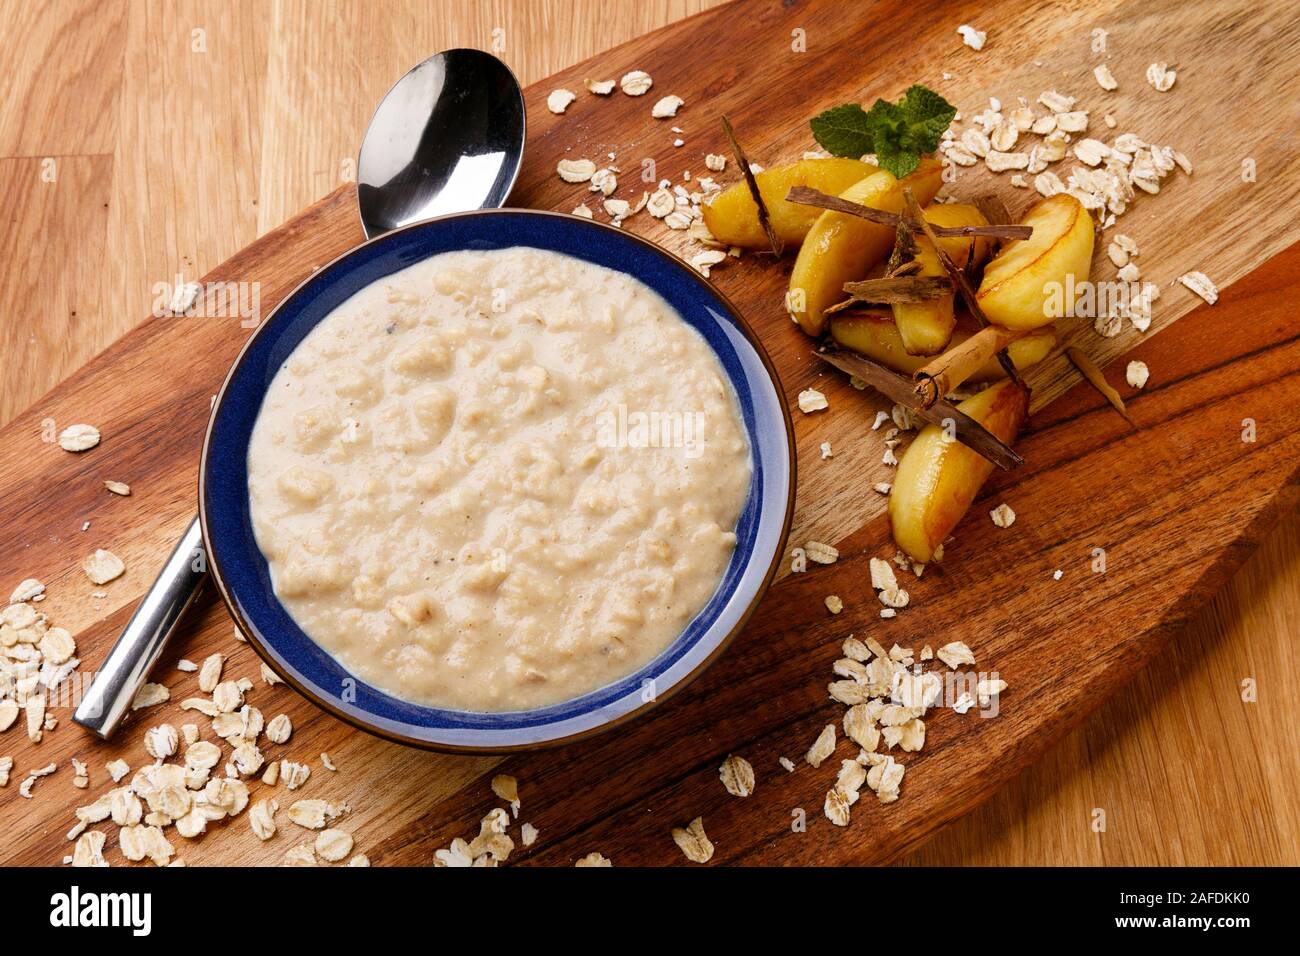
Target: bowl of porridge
{"points": [[497, 480]]}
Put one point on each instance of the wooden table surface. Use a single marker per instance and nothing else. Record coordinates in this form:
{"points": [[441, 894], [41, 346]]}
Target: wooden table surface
{"points": [[140, 141]]}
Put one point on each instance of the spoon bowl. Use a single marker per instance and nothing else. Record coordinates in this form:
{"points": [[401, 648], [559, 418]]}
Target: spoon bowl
{"points": [[448, 137]]}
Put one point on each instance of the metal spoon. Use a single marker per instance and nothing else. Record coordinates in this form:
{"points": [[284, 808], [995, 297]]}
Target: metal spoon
{"points": [[448, 137]]}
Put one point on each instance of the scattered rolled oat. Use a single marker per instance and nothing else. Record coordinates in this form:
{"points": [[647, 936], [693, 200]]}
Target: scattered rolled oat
{"points": [[836, 806], [270, 677], [261, 818], [882, 575], [150, 695], [333, 845], [300, 856], [79, 438], [594, 859], [28, 590], [986, 690], [834, 604], [704, 261], [1105, 78], [999, 162], [661, 203], [227, 696], [666, 107], [359, 860], [1161, 77], [118, 487], [1056, 102], [821, 553], [971, 37], [117, 769], [582, 210], [210, 672], [885, 777], [737, 775], [328, 763], [1201, 284], [599, 87], [25, 788], [103, 566], [860, 726], [1003, 516], [559, 100], [894, 597], [811, 400], [160, 742], [506, 788], [822, 747], [716, 162], [1137, 373], [575, 170], [955, 654], [295, 774], [693, 841], [636, 83], [279, 729], [89, 850], [6, 767], [313, 814], [786, 764]]}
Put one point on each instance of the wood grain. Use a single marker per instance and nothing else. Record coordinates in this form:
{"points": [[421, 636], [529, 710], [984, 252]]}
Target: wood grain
{"points": [[281, 121]]}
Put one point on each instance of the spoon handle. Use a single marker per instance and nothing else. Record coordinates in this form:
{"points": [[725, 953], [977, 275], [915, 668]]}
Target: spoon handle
{"points": [[108, 698]]}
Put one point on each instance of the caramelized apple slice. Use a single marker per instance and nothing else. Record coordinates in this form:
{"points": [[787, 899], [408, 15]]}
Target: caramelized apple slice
{"points": [[841, 248], [938, 477], [926, 326], [1030, 282], [875, 335], [732, 217]]}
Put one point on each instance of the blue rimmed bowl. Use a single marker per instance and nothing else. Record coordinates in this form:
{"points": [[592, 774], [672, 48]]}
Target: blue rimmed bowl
{"points": [[243, 577]]}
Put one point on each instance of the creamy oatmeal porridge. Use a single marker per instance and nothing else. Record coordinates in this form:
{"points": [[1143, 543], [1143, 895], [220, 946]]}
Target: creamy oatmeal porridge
{"points": [[498, 480]]}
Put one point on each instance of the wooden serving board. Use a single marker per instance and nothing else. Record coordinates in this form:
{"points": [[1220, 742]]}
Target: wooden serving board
{"points": [[1177, 501]]}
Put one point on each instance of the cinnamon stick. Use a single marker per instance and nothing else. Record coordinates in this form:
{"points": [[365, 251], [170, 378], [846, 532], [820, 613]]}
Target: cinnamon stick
{"points": [[949, 370], [764, 219], [893, 289], [899, 389], [1088, 368], [807, 196]]}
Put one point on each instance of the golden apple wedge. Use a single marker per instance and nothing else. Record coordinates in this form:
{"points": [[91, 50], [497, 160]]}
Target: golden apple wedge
{"points": [[938, 477], [841, 248], [732, 217], [874, 334], [926, 326], [1027, 284]]}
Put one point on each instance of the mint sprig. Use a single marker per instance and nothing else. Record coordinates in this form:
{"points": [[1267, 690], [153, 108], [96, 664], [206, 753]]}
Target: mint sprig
{"points": [[898, 133]]}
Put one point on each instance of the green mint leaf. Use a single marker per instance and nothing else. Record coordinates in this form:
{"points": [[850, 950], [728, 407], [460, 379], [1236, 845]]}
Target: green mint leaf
{"points": [[927, 114], [898, 133], [843, 131], [892, 138], [899, 160]]}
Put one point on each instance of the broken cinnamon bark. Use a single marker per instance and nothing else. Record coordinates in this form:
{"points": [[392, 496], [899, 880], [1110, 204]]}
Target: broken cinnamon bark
{"points": [[742, 161], [807, 196], [899, 389]]}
